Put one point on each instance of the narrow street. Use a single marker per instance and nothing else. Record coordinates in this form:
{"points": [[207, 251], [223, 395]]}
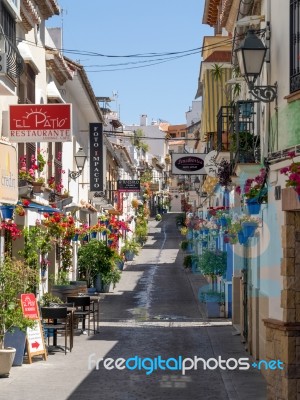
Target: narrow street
{"points": [[152, 312]]}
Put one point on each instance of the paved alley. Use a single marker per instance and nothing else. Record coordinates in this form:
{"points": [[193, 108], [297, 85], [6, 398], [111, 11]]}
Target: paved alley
{"points": [[154, 311]]}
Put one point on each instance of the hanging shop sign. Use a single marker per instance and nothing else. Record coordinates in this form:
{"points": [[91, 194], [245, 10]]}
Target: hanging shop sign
{"points": [[96, 157], [8, 174], [40, 123], [35, 342], [128, 186], [188, 164]]}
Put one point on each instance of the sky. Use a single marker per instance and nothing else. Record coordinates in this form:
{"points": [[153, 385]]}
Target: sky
{"points": [[136, 28]]}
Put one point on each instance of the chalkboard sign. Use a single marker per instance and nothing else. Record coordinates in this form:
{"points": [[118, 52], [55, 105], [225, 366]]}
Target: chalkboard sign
{"points": [[35, 342]]}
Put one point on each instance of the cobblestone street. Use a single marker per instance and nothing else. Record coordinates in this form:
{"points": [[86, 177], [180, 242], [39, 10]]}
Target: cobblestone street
{"points": [[153, 311]]}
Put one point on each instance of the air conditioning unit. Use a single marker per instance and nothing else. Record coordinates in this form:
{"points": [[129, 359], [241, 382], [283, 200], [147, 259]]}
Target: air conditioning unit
{"points": [[3, 63]]}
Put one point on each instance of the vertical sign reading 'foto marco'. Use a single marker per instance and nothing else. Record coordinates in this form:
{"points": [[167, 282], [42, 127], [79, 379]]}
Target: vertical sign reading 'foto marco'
{"points": [[96, 157]]}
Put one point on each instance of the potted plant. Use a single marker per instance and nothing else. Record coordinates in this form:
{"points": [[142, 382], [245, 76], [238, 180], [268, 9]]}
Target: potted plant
{"points": [[49, 299], [15, 278], [158, 217], [19, 210], [249, 226], [95, 259], [38, 185], [112, 277], [255, 192], [213, 263], [130, 249], [214, 302], [292, 172]]}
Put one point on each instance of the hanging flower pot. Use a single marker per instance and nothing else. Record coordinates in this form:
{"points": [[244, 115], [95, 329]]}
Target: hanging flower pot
{"points": [[75, 237], [253, 206], [223, 221], [93, 235], [7, 212], [241, 237], [249, 229]]}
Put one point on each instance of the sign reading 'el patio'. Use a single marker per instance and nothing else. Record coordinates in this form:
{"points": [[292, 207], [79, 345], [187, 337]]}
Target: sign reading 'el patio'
{"points": [[96, 157], [187, 164], [40, 123]]}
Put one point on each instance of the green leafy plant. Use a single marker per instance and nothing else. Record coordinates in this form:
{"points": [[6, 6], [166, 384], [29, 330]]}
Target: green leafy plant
{"points": [[94, 258], [41, 161], [112, 277], [213, 263], [158, 217], [48, 298], [184, 245], [15, 278], [131, 246], [137, 140]]}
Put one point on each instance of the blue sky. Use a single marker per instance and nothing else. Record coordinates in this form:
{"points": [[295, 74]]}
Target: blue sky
{"points": [[163, 91]]}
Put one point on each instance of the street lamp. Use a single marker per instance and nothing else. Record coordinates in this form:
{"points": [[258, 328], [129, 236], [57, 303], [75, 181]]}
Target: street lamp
{"points": [[80, 159], [251, 56], [197, 184]]}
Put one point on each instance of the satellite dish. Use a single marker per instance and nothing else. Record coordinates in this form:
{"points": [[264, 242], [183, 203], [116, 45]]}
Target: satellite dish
{"points": [[210, 163]]}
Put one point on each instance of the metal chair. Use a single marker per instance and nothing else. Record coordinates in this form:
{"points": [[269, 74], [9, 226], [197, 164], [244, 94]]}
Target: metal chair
{"points": [[57, 319], [83, 309]]}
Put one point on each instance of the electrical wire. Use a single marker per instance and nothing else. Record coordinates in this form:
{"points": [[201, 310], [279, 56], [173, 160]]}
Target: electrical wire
{"points": [[151, 57], [126, 136]]}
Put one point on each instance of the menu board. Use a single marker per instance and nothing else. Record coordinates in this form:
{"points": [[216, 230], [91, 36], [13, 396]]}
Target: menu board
{"points": [[35, 342]]}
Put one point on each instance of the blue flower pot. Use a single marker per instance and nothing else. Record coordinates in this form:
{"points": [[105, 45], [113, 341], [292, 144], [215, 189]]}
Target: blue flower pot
{"points": [[93, 235], [206, 231], [249, 229], [253, 206], [129, 255], [223, 221], [7, 212], [75, 237], [241, 237]]}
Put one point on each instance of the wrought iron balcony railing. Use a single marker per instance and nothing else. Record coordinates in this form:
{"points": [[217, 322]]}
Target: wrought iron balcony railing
{"points": [[12, 62]]}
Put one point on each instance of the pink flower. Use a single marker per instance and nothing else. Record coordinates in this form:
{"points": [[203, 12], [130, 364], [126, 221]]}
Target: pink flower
{"points": [[284, 170], [291, 154]]}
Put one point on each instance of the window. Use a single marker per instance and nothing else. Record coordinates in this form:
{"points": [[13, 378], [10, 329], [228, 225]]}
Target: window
{"points": [[27, 86], [7, 23], [26, 151], [294, 45]]}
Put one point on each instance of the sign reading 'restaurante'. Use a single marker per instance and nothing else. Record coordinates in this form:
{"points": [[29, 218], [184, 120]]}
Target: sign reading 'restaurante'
{"points": [[188, 164], [40, 123]]}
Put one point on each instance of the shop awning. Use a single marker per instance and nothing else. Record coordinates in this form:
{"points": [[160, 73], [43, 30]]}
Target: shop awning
{"points": [[42, 208], [214, 97]]}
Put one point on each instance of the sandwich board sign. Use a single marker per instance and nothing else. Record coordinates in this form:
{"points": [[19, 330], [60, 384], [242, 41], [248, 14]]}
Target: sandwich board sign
{"points": [[35, 342]]}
